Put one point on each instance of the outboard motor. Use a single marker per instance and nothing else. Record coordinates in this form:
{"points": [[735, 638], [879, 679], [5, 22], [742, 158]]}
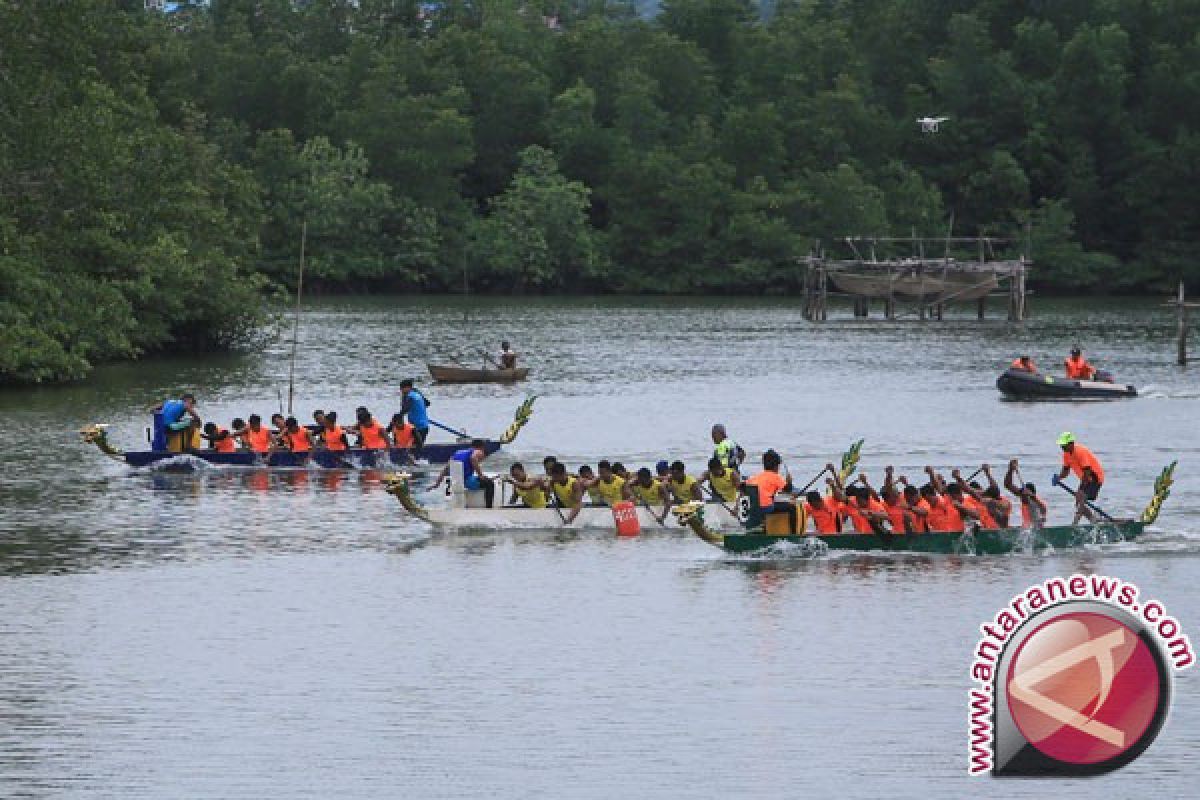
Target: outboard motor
{"points": [[1104, 376]]}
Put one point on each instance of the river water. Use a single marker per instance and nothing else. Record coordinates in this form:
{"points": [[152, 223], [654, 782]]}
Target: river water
{"points": [[235, 633]]}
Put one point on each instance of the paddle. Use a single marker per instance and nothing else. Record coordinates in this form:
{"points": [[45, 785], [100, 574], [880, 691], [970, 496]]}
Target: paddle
{"points": [[716, 497], [556, 505], [1075, 493], [646, 506], [491, 360], [448, 429]]}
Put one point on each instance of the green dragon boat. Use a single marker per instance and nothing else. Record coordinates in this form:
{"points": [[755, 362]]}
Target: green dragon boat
{"points": [[973, 542]]}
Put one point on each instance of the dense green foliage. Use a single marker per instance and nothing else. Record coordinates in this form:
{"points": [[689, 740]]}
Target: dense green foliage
{"points": [[156, 169]]}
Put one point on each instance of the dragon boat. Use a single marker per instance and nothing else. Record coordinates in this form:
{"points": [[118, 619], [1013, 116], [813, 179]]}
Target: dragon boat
{"points": [[467, 511], [758, 534], [353, 458]]}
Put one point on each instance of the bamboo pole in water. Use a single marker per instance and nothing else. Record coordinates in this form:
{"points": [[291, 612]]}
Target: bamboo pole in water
{"points": [[296, 320], [1182, 314]]}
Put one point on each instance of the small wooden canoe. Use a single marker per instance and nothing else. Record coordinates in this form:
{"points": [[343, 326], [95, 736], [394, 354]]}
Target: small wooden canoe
{"points": [[447, 374]]}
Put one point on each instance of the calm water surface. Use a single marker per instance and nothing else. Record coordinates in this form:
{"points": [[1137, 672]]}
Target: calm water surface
{"points": [[243, 634]]}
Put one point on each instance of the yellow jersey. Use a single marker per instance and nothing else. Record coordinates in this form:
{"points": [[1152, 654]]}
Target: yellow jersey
{"points": [[534, 498], [723, 485], [565, 492], [682, 490], [608, 494], [648, 494]]}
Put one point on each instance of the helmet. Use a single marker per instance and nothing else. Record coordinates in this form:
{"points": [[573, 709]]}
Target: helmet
{"points": [[1066, 439]]}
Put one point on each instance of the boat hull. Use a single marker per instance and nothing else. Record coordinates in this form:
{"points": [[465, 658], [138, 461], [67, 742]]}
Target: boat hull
{"points": [[986, 542], [447, 374], [354, 458], [598, 517], [1019, 385]]}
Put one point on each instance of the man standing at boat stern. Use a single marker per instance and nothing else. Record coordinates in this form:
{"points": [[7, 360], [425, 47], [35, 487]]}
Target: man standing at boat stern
{"points": [[414, 408], [1081, 461], [726, 450]]}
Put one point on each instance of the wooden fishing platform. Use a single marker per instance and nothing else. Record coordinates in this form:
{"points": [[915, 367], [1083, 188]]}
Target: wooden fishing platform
{"points": [[899, 270]]}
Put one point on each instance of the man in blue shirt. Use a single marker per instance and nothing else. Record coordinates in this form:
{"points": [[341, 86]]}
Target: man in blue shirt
{"points": [[414, 408], [176, 421]]}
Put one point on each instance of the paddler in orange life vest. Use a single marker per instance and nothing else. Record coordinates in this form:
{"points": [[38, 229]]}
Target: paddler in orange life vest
{"points": [[401, 432], [995, 510], [825, 512], [1024, 364], [1033, 509], [974, 500], [899, 514], [255, 437], [296, 437], [1081, 461], [860, 508], [1077, 366], [371, 435], [219, 439], [332, 435], [944, 516]]}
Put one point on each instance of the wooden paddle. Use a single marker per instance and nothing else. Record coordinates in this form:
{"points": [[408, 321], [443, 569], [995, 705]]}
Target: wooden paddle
{"points": [[555, 504], [717, 497], [1075, 493]]}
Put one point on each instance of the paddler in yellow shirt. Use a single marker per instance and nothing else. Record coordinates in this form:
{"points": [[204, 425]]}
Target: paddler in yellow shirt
{"points": [[530, 491], [723, 481], [608, 489], [566, 491], [683, 487], [645, 490]]}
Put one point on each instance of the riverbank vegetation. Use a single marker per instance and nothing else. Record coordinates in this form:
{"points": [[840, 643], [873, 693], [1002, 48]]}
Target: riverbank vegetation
{"points": [[156, 168]]}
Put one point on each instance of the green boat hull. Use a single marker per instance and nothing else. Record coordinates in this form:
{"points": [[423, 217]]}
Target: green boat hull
{"points": [[988, 542]]}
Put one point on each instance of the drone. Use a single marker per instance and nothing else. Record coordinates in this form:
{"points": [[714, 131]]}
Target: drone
{"points": [[930, 124]]}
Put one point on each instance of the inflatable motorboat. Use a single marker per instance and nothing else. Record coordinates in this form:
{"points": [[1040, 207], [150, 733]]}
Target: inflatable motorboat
{"points": [[1017, 384]]}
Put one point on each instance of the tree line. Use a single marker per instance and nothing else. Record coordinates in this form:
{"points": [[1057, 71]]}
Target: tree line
{"points": [[156, 169]]}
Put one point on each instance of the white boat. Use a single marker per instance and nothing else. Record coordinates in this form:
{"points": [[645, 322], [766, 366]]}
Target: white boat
{"points": [[466, 509]]}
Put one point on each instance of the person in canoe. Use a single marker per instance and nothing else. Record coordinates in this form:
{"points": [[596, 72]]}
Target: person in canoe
{"points": [[401, 432], [1081, 461], [918, 506], [471, 459], [894, 503], [973, 501], [371, 435], [415, 408], [609, 488], [587, 480], [177, 417], [278, 429], [1024, 364], [566, 491], [726, 450], [333, 436], [723, 482], [619, 470], [547, 467], [662, 472], [1033, 508], [769, 483], [1077, 366], [318, 423], [530, 492], [861, 506], [296, 437], [645, 490], [945, 516], [255, 437], [993, 509], [219, 439], [508, 356], [824, 511], [683, 487]]}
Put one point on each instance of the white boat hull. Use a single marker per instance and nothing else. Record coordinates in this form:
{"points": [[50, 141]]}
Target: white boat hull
{"points": [[594, 517]]}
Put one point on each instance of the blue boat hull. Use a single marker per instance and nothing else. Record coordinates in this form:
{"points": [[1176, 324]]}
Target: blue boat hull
{"points": [[354, 458]]}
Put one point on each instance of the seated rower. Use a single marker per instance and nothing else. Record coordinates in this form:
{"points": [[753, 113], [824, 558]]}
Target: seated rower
{"points": [[318, 423], [723, 482], [608, 488], [918, 508], [371, 435], [296, 437], [1033, 509], [566, 491], [864, 512], [646, 491], [255, 436], [994, 509], [683, 487], [194, 436], [769, 483], [531, 492], [899, 515], [471, 459], [333, 436], [547, 467], [619, 470], [278, 429], [662, 472], [973, 500], [401, 432], [587, 479], [1024, 364], [1077, 366], [219, 439], [943, 515], [825, 513]]}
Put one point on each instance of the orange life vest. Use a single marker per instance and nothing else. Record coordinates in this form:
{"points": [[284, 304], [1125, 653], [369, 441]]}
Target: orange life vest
{"points": [[371, 435], [1079, 369], [225, 444], [944, 517], [259, 440], [896, 514], [826, 516], [334, 438], [1018, 364], [986, 520], [921, 521], [402, 435], [297, 442], [1079, 458]]}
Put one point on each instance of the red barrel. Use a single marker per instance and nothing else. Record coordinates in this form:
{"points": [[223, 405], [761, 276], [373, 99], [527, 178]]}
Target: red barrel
{"points": [[625, 515]]}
